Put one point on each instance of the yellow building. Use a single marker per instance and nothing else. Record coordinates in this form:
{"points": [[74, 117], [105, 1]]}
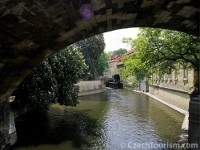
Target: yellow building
{"points": [[113, 66], [115, 63], [175, 87]]}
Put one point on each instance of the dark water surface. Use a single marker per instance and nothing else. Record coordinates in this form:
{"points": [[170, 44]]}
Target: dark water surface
{"points": [[113, 120]]}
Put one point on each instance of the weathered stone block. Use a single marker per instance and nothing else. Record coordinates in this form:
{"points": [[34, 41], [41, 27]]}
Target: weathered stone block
{"points": [[194, 121]]}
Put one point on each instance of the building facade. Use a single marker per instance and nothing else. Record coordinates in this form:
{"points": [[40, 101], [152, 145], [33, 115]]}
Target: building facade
{"points": [[175, 87], [115, 63]]}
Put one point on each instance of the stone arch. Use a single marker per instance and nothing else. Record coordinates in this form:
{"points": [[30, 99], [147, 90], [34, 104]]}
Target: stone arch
{"points": [[31, 30]]}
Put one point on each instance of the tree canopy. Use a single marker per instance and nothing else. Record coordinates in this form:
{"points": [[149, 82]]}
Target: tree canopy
{"points": [[92, 48], [119, 51], [159, 51], [53, 81], [102, 63], [166, 47]]}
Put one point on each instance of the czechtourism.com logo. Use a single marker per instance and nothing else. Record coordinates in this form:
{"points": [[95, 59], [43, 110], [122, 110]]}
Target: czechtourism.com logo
{"points": [[151, 145]]}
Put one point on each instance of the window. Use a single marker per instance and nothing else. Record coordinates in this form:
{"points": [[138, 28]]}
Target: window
{"points": [[175, 75], [166, 77], [185, 74]]}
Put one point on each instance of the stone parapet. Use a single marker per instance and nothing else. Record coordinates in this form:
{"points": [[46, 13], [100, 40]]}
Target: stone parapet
{"points": [[194, 121]]}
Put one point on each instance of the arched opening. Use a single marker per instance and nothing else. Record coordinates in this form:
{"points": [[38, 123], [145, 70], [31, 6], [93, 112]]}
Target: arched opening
{"points": [[31, 31]]}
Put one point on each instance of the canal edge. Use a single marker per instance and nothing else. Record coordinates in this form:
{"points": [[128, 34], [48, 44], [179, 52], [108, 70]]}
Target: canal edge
{"points": [[85, 93], [183, 138]]}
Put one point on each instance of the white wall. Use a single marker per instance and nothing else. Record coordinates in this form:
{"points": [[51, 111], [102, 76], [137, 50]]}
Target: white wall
{"points": [[143, 85], [90, 85]]}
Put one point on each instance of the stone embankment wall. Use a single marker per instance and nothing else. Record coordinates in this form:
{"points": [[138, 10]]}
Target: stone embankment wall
{"points": [[178, 98], [91, 87]]}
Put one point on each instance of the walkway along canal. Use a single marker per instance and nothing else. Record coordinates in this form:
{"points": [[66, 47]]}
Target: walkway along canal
{"points": [[114, 120]]}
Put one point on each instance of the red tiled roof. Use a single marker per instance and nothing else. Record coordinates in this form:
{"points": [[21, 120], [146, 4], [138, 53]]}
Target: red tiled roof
{"points": [[115, 58], [130, 52], [118, 58]]}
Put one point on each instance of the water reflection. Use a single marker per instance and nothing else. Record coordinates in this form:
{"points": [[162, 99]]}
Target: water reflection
{"points": [[61, 125], [100, 121], [136, 118]]}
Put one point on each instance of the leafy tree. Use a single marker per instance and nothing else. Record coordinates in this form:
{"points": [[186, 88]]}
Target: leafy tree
{"points": [[133, 66], [110, 54], [92, 48], [119, 51], [159, 50], [102, 63], [53, 81]]}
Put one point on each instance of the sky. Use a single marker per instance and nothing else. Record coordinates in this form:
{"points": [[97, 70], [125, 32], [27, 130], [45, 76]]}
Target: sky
{"points": [[113, 39]]}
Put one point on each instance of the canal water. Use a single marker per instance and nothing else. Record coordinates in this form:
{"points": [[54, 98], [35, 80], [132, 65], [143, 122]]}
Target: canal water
{"points": [[113, 120]]}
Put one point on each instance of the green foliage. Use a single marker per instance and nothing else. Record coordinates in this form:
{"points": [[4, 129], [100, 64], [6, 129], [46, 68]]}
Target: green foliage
{"points": [[134, 68], [119, 51], [92, 48], [53, 81], [158, 51], [128, 41], [110, 54], [131, 80], [102, 63], [165, 48]]}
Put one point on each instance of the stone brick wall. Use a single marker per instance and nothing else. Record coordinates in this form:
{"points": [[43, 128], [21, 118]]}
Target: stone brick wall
{"points": [[8, 134], [4, 122], [31, 31], [176, 80], [177, 98], [175, 88]]}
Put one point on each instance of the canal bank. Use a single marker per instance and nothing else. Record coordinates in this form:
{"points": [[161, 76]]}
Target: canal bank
{"points": [[185, 124], [91, 87]]}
